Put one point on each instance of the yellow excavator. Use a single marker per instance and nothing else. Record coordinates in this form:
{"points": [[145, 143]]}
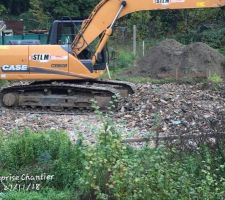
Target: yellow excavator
{"points": [[63, 75]]}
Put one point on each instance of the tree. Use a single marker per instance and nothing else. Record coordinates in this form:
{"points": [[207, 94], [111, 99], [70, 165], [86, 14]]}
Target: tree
{"points": [[70, 8], [35, 15], [141, 20], [15, 7], [37, 11], [2, 9]]}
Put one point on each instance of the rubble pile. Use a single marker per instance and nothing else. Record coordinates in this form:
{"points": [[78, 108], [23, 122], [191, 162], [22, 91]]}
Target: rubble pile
{"points": [[171, 109]]}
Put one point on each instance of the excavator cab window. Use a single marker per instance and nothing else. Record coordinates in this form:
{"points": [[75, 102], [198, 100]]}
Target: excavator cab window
{"points": [[63, 31], [66, 33]]}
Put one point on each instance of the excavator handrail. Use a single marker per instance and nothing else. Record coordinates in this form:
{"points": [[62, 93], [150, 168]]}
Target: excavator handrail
{"points": [[104, 13]]}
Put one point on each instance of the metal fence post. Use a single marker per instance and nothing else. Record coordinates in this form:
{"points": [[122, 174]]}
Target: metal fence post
{"points": [[134, 40], [3, 38], [143, 48]]}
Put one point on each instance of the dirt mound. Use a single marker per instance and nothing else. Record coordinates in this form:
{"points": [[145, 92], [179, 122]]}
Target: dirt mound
{"points": [[173, 59]]}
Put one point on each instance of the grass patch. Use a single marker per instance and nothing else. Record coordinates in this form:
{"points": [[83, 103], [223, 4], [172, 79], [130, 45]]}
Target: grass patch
{"points": [[125, 59], [118, 75], [215, 78], [46, 195]]}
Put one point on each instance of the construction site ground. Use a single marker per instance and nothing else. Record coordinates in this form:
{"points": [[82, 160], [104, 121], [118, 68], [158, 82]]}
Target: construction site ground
{"points": [[162, 109]]}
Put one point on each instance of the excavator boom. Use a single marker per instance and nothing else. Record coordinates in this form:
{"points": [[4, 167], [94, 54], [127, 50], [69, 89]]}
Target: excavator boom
{"points": [[105, 12]]}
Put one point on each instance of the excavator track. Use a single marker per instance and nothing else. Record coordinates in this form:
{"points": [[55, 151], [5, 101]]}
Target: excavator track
{"points": [[122, 87], [64, 96]]}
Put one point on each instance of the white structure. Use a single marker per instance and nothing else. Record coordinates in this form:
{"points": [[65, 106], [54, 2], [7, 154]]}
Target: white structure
{"points": [[2, 27], [7, 32]]}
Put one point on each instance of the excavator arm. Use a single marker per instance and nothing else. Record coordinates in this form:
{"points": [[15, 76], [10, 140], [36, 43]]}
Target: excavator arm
{"points": [[106, 12]]}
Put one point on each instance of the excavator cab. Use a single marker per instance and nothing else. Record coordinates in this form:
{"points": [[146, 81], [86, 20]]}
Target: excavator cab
{"points": [[64, 31]]}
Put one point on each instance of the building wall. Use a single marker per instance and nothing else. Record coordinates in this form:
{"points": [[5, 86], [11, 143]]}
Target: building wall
{"points": [[16, 25]]}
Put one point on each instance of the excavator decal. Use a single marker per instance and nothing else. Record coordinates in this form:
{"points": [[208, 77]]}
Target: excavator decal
{"points": [[41, 57], [15, 68], [162, 1], [46, 57]]}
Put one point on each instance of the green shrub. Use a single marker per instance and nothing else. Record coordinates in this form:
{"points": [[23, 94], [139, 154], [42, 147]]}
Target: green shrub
{"points": [[222, 50], [215, 78], [3, 83], [103, 160], [21, 149]]}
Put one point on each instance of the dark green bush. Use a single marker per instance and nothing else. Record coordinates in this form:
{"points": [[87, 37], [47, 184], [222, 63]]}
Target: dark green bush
{"points": [[213, 37]]}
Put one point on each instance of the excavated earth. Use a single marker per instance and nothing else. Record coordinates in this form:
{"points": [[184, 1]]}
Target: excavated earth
{"points": [[165, 109], [172, 59]]}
